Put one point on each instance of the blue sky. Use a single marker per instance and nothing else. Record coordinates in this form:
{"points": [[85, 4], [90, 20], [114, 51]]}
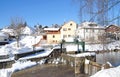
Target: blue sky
{"points": [[45, 12]]}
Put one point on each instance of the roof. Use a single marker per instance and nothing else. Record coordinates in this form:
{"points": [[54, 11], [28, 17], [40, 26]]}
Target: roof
{"points": [[51, 29], [93, 25], [27, 30], [3, 34]]}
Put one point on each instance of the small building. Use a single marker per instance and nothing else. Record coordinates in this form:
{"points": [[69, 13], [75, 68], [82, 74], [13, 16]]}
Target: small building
{"points": [[113, 32], [89, 32], [52, 35], [27, 30]]}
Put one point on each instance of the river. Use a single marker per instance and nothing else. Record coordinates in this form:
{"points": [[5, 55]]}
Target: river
{"points": [[48, 70], [112, 57]]}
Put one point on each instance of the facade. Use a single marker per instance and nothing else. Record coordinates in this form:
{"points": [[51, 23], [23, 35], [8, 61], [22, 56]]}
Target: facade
{"points": [[89, 32], [52, 35], [68, 31], [113, 32]]}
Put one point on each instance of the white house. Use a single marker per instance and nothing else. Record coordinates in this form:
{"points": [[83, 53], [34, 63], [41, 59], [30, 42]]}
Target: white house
{"points": [[89, 32], [11, 32], [27, 30], [4, 38]]}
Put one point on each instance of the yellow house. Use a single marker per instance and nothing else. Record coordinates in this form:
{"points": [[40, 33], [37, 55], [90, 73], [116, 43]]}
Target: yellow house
{"points": [[52, 35], [68, 31]]}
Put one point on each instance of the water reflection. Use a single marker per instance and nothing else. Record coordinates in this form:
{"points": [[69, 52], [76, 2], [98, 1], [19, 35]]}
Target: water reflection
{"points": [[112, 57]]}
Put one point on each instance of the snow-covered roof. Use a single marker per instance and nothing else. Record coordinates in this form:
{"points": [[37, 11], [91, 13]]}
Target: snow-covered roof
{"points": [[90, 25], [27, 30], [9, 31], [3, 34], [51, 29]]}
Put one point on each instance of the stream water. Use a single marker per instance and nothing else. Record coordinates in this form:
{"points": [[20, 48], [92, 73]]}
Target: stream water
{"points": [[112, 57]]}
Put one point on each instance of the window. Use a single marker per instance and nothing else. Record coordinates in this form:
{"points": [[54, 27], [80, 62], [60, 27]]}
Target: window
{"points": [[5, 39], [86, 30], [69, 28], [70, 24], [53, 36], [64, 36], [64, 29], [93, 30], [69, 35]]}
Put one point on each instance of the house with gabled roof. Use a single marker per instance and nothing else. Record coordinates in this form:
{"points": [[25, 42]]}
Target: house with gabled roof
{"points": [[52, 35], [89, 32], [65, 32], [113, 32]]}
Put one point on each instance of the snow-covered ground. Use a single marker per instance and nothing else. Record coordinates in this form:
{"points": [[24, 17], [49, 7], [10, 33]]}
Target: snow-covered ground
{"points": [[94, 47], [26, 45], [112, 72], [19, 65]]}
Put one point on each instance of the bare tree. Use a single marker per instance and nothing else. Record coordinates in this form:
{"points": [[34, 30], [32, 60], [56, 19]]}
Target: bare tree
{"points": [[17, 25], [100, 11], [103, 40], [39, 29]]}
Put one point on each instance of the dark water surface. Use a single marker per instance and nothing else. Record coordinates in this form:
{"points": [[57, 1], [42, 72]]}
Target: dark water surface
{"points": [[48, 71]]}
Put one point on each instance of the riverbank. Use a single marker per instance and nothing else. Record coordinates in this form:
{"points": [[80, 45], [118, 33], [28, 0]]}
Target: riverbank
{"points": [[47, 70]]}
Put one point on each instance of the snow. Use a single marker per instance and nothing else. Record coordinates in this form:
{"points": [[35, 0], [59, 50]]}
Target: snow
{"points": [[52, 29], [9, 31], [37, 55], [27, 30], [86, 25], [26, 45], [30, 40], [3, 34], [40, 54], [93, 47], [22, 65], [82, 54], [112, 72], [87, 61], [19, 65]]}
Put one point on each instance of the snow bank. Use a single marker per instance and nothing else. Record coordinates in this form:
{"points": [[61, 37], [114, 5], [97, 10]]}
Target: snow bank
{"points": [[30, 40], [19, 65], [93, 47], [26, 45], [112, 72], [40, 54], [5, 73]]}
